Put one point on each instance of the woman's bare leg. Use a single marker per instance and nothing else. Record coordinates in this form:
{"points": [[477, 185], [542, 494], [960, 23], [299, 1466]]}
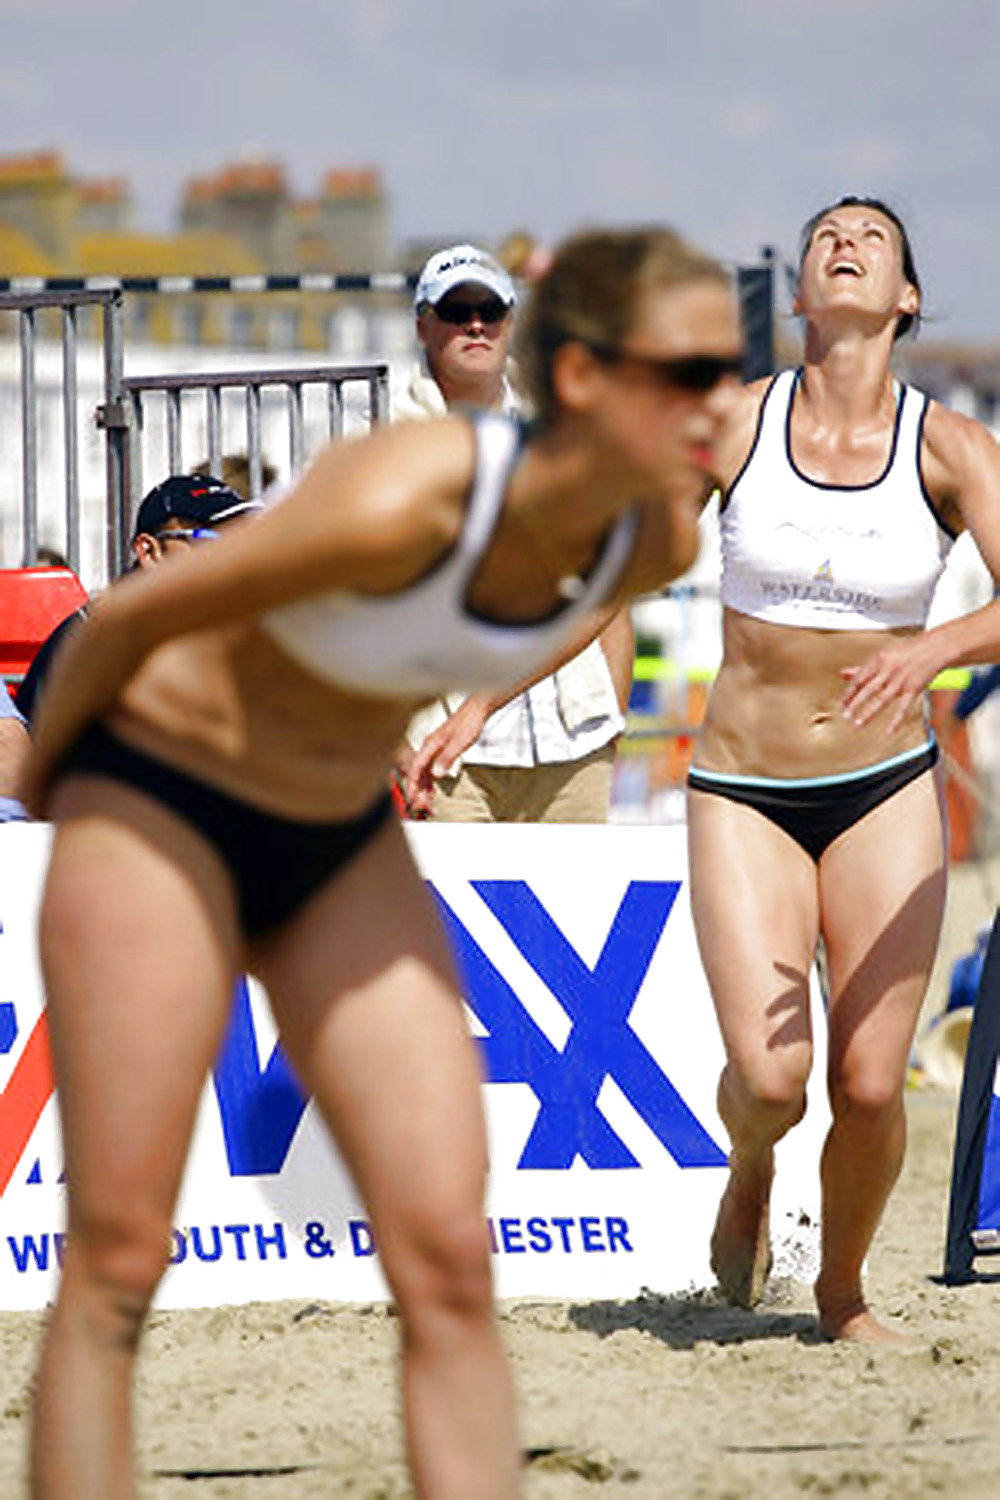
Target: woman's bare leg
{"points": [[754, 902], [367, 1004], [138, 989], [882, 891]]}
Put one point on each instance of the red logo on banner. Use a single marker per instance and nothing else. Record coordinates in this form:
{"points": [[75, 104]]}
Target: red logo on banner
{"points": [[22, 1101]]}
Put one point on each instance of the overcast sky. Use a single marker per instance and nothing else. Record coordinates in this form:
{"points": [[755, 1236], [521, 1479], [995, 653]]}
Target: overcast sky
{"points": [[730, 119]]}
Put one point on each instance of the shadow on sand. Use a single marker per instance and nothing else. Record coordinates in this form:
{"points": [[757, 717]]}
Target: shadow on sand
{"points": [[681, 1322]]}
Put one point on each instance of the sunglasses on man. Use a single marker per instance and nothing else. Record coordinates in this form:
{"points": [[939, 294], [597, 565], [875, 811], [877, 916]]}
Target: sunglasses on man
{"points": [[187, 534], [458, 312]]}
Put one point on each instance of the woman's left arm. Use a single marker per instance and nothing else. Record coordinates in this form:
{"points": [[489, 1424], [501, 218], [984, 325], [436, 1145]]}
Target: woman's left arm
{"points": [[962, 472]]}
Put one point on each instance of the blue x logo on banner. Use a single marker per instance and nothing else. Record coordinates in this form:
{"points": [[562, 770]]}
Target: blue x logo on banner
{"points": [[261, 1104], [601, 1044]]}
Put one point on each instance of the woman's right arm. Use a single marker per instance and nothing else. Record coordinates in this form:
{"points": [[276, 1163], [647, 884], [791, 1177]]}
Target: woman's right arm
{"points": [[370, 515]]}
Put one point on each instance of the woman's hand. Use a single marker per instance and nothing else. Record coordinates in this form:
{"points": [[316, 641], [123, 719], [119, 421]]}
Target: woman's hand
{"points": [[891, 682]]}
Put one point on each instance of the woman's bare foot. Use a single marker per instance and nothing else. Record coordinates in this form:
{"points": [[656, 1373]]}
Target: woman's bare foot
{"points": [[741, 1245], [853, 1323]]}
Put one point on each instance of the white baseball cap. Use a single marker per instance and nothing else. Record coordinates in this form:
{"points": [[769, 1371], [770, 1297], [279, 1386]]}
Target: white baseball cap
{"points": [[457, 265]]}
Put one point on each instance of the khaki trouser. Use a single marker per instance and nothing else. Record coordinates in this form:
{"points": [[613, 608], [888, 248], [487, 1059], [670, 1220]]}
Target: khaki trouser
{"points": [[574, 791]]}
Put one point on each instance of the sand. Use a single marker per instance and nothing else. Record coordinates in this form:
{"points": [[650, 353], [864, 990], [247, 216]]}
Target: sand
{"points": [[652, 1398]]}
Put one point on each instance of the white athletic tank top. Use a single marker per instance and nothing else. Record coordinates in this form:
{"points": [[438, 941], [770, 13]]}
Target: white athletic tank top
{"points": [[425, 641], [831, 557]]}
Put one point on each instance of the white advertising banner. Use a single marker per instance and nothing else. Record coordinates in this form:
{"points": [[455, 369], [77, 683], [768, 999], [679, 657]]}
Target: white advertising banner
{"points": [[583, 985]]}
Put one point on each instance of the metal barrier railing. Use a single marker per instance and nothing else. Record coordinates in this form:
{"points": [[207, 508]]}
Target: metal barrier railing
{"points": [[27, 306], [333, 380], [121, 416]]}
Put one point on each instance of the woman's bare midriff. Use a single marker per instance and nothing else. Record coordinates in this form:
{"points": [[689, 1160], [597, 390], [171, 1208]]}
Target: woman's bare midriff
{"points": [[232, 709], [775, 711]]}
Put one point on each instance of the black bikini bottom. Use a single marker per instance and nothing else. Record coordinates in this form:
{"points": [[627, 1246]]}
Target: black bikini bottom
{"points": [[815, 812], [276, 863]]}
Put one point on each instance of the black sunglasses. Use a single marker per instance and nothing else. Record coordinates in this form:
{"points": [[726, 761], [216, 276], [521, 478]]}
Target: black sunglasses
{"points": [[694, 373], [457, 312]]}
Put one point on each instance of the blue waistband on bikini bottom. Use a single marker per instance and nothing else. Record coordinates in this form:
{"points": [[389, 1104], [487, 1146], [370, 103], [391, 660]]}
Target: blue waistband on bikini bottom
{"points": [[724, 778]]}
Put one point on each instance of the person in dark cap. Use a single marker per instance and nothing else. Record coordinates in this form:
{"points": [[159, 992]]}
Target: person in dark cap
{"points": [[14, 743], [185, 508], [181, 511]]}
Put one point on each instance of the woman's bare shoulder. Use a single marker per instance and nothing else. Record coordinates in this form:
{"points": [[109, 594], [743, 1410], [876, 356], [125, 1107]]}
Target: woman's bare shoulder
{"points": [[379, 495], [960, 462], [739, 430], [388, 466], [952, 438]]}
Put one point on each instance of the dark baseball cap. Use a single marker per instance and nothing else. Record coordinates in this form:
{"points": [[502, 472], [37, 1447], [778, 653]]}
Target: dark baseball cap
{"points": [[190, 497]]}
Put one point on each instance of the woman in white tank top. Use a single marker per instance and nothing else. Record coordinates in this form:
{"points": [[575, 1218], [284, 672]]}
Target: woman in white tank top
{"points": [[841, 493], [215, 747]]}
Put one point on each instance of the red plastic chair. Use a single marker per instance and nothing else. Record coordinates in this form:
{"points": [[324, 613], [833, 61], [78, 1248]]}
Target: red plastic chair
{"points": [[32, 603]]}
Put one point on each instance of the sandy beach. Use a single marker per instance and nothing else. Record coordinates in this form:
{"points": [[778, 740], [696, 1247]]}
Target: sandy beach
{"points": [[650, 1398]]}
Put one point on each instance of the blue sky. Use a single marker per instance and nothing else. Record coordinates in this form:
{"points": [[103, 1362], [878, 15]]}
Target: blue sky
{"points": [[730, 119]]}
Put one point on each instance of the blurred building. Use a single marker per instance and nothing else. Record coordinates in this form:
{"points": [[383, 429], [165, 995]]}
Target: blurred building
{"points": [[40, 200], [104, 206], [240, 222], [349, 222]]}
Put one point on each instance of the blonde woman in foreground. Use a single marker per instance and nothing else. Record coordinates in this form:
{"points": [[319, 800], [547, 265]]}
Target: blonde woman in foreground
{"points": [[214, 749]]}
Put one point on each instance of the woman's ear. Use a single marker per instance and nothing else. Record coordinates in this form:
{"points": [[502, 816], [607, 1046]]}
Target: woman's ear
{"points": [[577, 376], [909, 302]]}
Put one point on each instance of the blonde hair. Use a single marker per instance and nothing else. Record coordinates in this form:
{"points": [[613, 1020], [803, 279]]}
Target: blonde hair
{"points": [[594, 292], [235, 470]]}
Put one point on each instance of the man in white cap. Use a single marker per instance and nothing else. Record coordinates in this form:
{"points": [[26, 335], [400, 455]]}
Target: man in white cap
{"points": [[464, 305], [547, 753]]}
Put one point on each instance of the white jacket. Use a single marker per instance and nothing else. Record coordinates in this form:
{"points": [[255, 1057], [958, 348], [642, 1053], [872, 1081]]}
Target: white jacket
{"points": [[565, 716]]}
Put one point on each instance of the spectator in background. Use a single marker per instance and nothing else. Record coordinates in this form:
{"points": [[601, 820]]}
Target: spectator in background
{"points": [[184, 509], [14, 742], [464, 307], [526, 258], [982, 685], [49, 557], [546, 753], [236, 470]]}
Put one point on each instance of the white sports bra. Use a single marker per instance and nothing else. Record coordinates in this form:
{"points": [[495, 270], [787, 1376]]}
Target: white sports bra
{"points": [[425, 641], [826, 556]]}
